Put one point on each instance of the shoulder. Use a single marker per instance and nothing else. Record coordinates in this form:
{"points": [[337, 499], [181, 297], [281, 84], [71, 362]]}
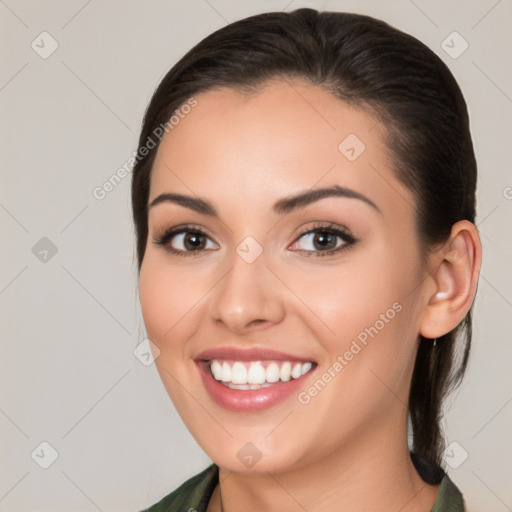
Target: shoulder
{"points": [[193, 495], [449, 498]]}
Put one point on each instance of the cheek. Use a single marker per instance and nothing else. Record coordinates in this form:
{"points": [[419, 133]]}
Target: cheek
{"points": [[368, 329], [346, 299], [167, 297], [156, 295], [368, 322]]}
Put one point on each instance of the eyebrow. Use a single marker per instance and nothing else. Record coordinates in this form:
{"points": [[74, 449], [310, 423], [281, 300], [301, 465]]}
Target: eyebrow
{"points": [[194, 203], [281, 207], [295, 202]]}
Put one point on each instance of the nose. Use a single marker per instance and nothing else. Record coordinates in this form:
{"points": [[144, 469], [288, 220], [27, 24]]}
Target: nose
{"points": [[248, 298]]}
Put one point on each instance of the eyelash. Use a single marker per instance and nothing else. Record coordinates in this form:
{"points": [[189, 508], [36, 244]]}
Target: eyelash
{"points": [[332, 229]]}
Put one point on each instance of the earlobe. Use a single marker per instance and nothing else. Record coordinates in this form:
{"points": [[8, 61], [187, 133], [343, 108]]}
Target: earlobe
{"points": [[455, 279]]}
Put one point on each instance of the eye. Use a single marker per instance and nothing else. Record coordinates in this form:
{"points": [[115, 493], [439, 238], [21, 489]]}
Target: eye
{"points": [[323, 240], [185, 239]]}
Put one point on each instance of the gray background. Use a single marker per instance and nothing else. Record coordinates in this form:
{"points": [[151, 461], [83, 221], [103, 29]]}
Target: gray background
{"points": [[70, 320]]}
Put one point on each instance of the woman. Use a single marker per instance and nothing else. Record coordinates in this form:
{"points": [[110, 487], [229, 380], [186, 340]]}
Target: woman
{"points": [[304, 203]]}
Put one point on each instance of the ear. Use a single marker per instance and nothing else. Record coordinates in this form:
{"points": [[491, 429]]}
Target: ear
{"points": [[452, 284]]}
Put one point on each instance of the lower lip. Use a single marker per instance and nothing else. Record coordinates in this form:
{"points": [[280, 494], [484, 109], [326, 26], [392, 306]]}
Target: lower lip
{"points": [[249, 400]]}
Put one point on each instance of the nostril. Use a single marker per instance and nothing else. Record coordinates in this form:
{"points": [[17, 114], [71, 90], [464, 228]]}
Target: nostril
{"points": [[258, 321]]}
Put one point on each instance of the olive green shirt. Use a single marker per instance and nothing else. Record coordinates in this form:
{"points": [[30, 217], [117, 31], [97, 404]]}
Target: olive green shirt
{"points": [[194, 495]]}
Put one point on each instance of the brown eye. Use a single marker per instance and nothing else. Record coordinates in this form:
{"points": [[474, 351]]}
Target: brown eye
{"points": [[323, 240], [182, 241], [193, 241], [319, 240]]}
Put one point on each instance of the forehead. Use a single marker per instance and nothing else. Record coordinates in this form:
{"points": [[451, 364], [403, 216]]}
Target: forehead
{"points": [[288, 136]]}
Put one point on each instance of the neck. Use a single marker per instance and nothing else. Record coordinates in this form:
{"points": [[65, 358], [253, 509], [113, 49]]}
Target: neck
{"points": [[377, 476]]}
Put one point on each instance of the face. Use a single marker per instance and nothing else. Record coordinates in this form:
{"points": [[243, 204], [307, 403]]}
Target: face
{"points": [[282, 279]]}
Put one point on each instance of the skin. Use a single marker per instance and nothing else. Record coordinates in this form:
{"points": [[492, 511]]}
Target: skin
{"points": [[347, 447]]}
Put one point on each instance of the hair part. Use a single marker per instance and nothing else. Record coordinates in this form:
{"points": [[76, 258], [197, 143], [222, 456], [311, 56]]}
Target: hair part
{"points": [[364, 62]]}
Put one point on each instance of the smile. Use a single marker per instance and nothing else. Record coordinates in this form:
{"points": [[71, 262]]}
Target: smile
{"points": [[245, 375], [251, 380]]}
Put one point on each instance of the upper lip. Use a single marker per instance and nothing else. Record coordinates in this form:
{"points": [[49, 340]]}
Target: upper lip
{"points": [[248, 354]]}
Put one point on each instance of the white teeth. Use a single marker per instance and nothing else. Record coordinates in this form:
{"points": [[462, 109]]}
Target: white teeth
{"points": [[254, 375], [286, 370], [217, 370], [238, 374], [238, 386], [296, 371], [226, 372], [247, 386], [306, 367], [273, 373]]}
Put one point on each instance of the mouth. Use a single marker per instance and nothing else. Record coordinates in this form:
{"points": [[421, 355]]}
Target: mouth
{"points": [[256, 374], [252, 380]]}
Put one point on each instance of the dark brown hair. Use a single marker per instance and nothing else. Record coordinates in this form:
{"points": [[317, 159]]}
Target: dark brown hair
{"points": [[364, 62]]}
